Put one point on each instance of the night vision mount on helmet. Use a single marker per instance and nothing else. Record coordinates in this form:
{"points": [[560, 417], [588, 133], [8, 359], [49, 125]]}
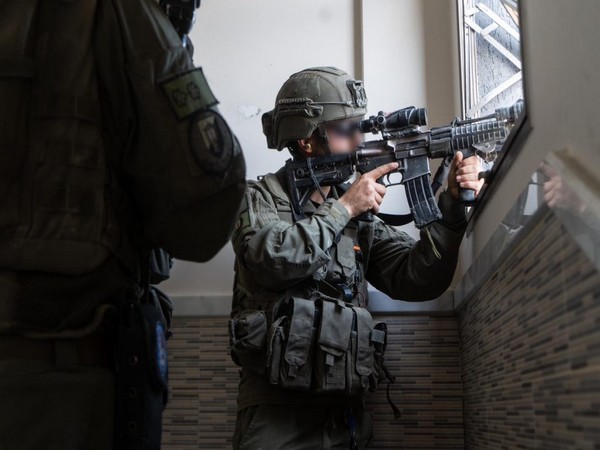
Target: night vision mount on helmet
{"points": [[310, 98]]}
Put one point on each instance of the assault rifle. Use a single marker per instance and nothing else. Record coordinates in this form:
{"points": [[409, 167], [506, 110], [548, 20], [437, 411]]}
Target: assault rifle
{"points": [[404, 142]]}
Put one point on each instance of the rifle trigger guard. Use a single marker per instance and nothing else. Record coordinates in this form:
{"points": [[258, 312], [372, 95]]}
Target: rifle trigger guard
{"points": [[388, 182]]}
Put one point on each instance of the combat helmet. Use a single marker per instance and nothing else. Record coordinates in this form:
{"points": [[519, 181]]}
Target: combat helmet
{"points": [[310, 98]]}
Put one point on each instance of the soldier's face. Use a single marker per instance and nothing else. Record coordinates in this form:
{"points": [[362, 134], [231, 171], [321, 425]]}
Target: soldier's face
{"points": [[343, 136]]}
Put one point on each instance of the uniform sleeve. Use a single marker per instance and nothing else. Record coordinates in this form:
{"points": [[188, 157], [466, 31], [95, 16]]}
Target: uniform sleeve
{"points": [[175, 155], [422, 270], [277, 253]]}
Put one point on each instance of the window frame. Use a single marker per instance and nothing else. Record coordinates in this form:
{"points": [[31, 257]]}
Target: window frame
{"points": [[521, 128]]}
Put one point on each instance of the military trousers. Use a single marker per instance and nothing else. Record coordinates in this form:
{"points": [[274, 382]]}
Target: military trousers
{"points": [[55, 404], [300, 427]]}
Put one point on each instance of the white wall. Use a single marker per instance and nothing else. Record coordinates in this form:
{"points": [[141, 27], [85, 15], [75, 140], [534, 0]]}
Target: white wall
{"points": [[248, 48]]}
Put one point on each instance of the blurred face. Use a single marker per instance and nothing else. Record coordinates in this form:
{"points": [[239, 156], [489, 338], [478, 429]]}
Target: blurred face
{"points": [[343, 136]]}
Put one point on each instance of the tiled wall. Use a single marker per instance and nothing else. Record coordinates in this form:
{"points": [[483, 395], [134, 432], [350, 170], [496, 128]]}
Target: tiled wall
{"points": [[531, 348], [423, 353], [203, 380]]}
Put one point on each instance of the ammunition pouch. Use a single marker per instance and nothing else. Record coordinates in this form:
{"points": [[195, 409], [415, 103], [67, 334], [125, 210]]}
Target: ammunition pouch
{"points": [[290, 345], [142, 374], [324, 346], [344, 349], [247, 340]]}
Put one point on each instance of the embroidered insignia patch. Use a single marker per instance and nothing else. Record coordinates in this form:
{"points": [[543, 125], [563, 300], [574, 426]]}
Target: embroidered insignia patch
{"points": [[211, 141], [188, 93]]}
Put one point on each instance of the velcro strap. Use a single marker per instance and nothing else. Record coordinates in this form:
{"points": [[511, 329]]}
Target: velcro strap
{"points": [[300, 335], [336, 326], [17, 68]]}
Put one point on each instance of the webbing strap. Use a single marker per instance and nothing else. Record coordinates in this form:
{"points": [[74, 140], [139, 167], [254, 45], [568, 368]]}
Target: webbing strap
{"points": [[395, 409], [284, 211]]}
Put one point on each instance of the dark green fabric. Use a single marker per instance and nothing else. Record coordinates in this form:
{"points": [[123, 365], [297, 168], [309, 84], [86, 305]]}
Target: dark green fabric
{"points": [[55, 211], [166, 162], [272, 427], [92, 156], [47, 408]]}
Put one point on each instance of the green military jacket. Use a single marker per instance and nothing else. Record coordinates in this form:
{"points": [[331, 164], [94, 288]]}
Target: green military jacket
{"points": [[118, 159], [276, 258]]}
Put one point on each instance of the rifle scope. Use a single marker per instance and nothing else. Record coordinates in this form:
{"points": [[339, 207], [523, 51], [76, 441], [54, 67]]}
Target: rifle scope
{"points": [[398, 120]]}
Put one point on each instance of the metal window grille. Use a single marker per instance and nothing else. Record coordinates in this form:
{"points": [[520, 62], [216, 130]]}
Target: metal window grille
{"points": [[490, 55]]}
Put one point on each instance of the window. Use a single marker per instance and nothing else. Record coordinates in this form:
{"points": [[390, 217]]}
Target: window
{"points": [[491, 66], [490, 51]]}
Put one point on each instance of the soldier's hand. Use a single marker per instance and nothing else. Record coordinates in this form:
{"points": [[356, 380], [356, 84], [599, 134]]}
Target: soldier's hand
{"points": [[365, 194], [464, 173]]}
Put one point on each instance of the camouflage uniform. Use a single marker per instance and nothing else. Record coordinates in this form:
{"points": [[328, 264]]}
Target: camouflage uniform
{"points": [[276, 258]]}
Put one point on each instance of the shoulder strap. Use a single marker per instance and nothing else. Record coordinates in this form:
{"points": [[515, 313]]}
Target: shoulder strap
{"points": [[273, 185]]}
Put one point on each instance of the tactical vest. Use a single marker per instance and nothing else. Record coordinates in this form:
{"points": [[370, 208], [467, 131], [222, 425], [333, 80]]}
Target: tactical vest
{"points": [[54, 183], [348, 265], [324, 342]]}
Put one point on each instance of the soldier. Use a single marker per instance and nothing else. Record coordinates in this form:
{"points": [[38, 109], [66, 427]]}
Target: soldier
{"points": [[110, 145], [283, 267]]}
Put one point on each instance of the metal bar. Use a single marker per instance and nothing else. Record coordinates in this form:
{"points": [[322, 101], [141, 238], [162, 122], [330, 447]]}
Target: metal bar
{"points": [[512, 8], [512, 58], [496, 18], [496, 91], [487, 30]]}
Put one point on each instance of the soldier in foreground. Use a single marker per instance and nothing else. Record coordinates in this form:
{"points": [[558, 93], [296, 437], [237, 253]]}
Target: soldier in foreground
{"points": [[110, 146]]}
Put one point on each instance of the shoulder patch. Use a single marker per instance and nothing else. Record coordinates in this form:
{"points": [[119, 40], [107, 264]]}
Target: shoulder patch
{"points": [[211, 142], [188, 93]]}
